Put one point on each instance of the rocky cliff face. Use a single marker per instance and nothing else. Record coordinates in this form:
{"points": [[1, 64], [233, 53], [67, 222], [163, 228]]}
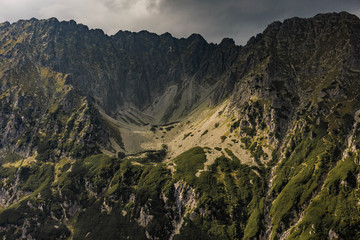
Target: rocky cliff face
{"points": [[143, 136], [124, 70]]}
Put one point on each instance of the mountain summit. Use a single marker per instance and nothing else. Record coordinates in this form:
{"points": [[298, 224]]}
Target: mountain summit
{"points": [[145, 136]]}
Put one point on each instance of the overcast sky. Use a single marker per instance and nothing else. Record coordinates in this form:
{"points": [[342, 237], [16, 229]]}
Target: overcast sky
{"points": [[213, 19]]}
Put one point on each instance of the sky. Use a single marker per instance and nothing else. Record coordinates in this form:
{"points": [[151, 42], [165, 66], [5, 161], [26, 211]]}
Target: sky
{"points": [[213, 19]]}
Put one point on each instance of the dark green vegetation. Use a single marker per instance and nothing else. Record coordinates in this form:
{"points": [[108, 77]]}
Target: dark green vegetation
{"points": [[289, 100], [103, 197]]}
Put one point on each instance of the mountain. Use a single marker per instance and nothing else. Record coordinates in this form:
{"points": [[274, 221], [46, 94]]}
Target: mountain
{"points": [[145, 136]]}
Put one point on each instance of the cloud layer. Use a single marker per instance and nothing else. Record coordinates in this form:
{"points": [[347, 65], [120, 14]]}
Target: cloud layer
{"points": [[214, 19]]}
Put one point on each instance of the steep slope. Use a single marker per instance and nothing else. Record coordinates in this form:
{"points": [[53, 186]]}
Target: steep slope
{"points": [[143, 136], [127, 69]]}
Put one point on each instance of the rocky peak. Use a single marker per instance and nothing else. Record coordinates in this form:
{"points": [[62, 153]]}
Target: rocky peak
{"points": [[227, 42]]}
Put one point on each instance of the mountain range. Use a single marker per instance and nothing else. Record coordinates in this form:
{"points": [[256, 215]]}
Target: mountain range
{"points": [[146, 136]]}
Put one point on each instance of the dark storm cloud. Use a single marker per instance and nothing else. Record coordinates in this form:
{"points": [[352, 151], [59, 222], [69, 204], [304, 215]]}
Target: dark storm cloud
{"points": [[214, 19], [242, 19]]}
